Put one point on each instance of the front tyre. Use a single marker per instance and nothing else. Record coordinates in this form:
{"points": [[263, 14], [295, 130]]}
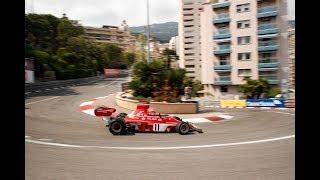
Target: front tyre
{"points": [[121, 115], [117, 127], [183, 128]]}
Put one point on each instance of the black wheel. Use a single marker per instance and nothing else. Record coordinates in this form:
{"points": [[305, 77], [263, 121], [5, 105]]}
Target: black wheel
{"points": [[117, 127], [121, 115], [183, 128]]}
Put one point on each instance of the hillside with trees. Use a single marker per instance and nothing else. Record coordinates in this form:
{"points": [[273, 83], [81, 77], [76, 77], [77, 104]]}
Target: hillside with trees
{"points": [[56, 44]]}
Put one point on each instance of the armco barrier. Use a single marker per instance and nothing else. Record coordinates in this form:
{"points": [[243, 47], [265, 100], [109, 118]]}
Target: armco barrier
{"points": [[265, 102], [160, 107], [232, 103]]}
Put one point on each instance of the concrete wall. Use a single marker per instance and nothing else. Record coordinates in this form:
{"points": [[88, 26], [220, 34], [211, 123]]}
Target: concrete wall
{"points": [[165, 108]]}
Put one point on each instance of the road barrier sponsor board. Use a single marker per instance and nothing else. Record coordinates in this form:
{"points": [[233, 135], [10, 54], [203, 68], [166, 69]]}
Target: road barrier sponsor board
{"points": [[265, 103], [232, 103]]}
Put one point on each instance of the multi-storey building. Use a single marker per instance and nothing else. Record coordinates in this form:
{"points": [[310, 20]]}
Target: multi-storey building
{"points": [[242, 38], [174, 44], [189, 37], [292, 43], [112, 34]]}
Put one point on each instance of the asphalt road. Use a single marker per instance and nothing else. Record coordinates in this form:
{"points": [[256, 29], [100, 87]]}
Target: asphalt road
{"points": [[250, 146]]}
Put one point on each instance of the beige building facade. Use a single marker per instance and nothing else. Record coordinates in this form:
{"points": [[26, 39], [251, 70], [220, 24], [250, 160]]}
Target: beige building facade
{"points": [[292, 58], [189, 37], [242, 38], [112, 34]]}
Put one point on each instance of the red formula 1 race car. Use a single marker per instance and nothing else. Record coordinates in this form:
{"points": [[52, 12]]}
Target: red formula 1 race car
{"points": [[144, 120]]}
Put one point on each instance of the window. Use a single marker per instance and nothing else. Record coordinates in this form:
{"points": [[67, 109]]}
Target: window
{"points": [[243, 8], [189, 66], [244, 40], [188, 14], [243, 24], [187, 9], [188, 48], [189, 37], [188, 43], [187, 20], [224, 88], [188, 26], [189, 54], [244, 72], [244, 56]]}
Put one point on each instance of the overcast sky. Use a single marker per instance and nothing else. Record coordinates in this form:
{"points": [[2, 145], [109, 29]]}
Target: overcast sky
{"points": [[112, 12]]}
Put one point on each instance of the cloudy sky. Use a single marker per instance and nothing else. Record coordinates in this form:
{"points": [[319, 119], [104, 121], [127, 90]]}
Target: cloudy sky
{"points": [[112, 12]]}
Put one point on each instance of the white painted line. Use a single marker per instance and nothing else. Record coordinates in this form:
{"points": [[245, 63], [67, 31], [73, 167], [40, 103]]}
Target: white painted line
{"points": [[26, 137], [163, 148], [48, 89], [38, 91], [45, 139], [89, 111], [42, 100], [281, 112], [109, 83], [225, 116], [196, 120], [87, 103]]}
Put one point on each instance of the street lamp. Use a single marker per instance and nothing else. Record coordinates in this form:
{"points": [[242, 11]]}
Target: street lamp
{"points": [[148, 33]]}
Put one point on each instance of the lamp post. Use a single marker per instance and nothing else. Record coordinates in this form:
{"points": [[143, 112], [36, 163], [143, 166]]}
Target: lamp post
{"points": [[148, 34]]}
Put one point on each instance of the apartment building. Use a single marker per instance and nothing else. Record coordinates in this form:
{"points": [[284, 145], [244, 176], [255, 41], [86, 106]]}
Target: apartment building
{"points": [[242, 38], [112, 34], [292, 42], [174, 44], [189, 37]]}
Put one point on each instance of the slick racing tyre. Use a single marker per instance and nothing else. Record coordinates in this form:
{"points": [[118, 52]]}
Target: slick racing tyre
{"points": [[117, 127], [183, 128], [121, 115]]}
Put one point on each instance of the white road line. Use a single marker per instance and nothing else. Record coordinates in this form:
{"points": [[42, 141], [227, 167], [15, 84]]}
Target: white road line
{"points": [[26, 137], [162, 148], [42, 100], [281, 112], [45, 139], [109, 83]]}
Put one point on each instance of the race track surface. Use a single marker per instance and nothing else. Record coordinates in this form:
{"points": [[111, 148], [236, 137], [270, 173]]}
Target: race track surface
{"points": [[64, 143]]}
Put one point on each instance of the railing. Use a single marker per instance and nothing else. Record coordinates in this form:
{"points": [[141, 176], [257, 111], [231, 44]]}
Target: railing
{"points": [[268, 61], [222, 16], [222, 63], [272, 79], [220, 4], [222, 31], [222, 47], [223, 78], [268, 43], [267, 9]]}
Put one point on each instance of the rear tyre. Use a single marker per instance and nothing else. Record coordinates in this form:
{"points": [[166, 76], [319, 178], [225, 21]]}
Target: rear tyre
{"points": [[183, 128], [117, 127]]}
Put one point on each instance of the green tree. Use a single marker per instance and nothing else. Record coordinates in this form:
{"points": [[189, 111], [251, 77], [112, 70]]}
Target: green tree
{"points": [[111, 56], [66, 30], [254, 88], [169, 55]]}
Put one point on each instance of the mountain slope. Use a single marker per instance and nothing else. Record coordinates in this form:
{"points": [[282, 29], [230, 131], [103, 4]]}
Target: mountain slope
{"points": [[162, 32]]}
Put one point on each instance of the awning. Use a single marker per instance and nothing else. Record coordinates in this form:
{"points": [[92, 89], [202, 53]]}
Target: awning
{"points": [[268, 36], [223, 40]]}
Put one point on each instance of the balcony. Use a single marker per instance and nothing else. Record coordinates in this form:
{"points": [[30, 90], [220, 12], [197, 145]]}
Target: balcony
{"points": [[267, 29], [267, 11], [268, 46], [223, 80], [272, 79], [217, 4], [222, 66], [222, 34], [222, 49], [268, 65], [221, 18]]}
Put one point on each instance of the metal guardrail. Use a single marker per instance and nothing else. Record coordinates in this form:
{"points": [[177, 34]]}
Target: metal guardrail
{"points": [[59, 83], [34, 87]]}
